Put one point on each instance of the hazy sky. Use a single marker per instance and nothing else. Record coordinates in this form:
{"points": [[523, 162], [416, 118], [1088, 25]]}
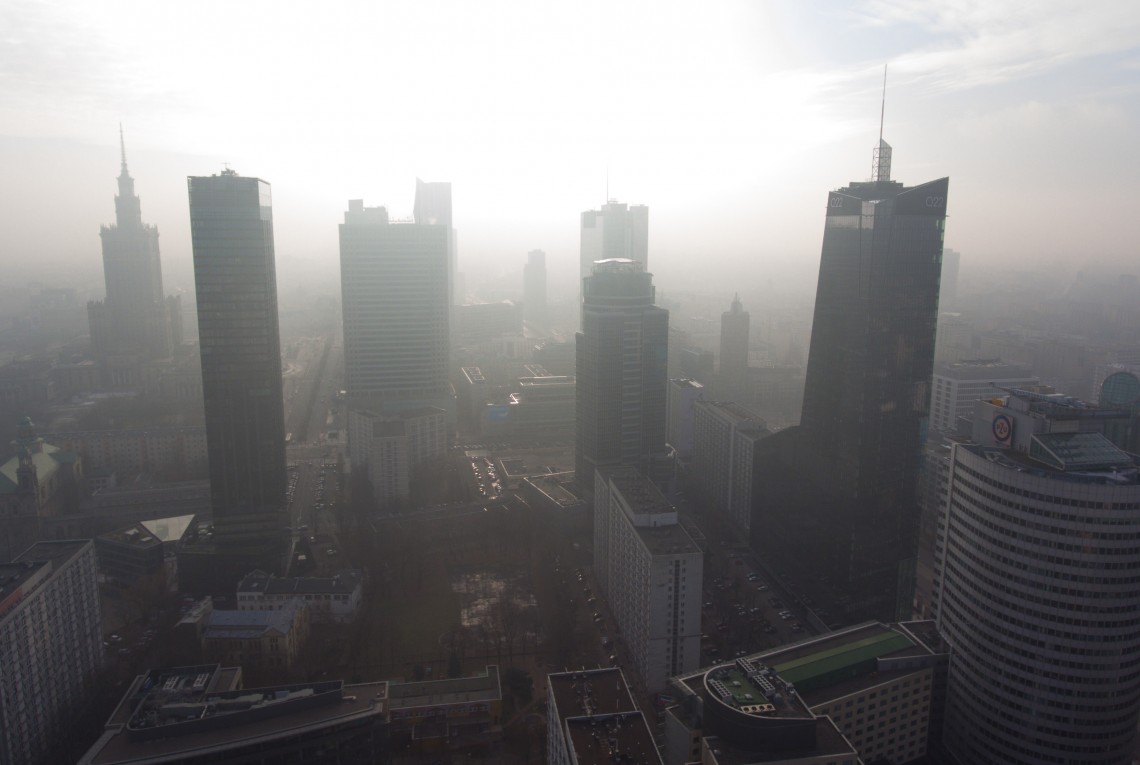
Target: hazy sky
{"points": [[730, 120]]}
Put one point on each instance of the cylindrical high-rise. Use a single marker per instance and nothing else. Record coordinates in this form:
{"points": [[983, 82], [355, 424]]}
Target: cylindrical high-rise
{"points": [[1038, 595]]}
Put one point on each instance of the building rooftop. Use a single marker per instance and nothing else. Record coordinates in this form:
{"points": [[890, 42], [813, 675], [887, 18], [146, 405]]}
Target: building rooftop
{"points": [[170, 715], [457, 690], [794, 677], [1087, 463], [830, 746], [343, 582], [234, 625], [556, 488], [685, 382], [46, 459], [591, 692], [136, 535], [667, 540], [621, 738], [981, 369], [473, 374], [639, 492], [169, 529]]}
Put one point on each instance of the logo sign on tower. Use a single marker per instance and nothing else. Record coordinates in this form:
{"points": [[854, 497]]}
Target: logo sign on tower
{"points": [[1003, 429]]}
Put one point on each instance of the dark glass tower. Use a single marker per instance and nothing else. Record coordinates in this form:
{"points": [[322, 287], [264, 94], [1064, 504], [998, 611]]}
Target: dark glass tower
{"points": [[837, 494], [622, 361], [231, 225], [734, 327], [133, 318]]}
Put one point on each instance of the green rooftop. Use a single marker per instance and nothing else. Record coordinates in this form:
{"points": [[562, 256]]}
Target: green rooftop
{"points": [[841, 662]]}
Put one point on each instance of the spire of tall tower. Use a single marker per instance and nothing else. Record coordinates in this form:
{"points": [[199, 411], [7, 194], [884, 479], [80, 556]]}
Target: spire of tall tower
{"points": [[128, 212], [881, 163]]}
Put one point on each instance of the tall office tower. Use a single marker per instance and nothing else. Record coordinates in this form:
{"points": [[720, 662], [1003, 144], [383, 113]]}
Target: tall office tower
{"points": [[616, 231], [51, 647], [1035, 587], [396, 294], [432, 207], [133, 319], [951, 261], [866, 395], [734, 326], [231, 228], [622, 356], [650, 571], [957, 385], [534, 288]]}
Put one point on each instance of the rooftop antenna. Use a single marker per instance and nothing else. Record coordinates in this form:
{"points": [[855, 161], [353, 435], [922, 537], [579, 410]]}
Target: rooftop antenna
{"points": [[607, 184], [881, 162]]}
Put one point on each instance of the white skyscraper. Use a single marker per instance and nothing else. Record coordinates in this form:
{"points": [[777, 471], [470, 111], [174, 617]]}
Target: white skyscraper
{"points": [[396, 294]]}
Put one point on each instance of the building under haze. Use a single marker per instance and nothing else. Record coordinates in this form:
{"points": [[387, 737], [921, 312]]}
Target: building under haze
{"points": [[51, 647], [617, 230], [836, 495], [396, 293], [133, 324], [231, 227], [1035, 586], [534, 289], [622, 356], [651, 573], [734, 326], [958, 385]]}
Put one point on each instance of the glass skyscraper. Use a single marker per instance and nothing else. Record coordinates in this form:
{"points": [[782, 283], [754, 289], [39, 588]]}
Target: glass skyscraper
{"points": [[231, 226], [836, 494], [622, 360]]}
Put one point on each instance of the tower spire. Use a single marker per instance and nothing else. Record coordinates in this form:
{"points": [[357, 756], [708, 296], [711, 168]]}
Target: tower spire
{"points": [[881, 161], [122, 149]]}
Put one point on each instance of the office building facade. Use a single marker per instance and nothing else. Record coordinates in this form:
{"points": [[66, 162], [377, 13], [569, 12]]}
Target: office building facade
{"points": [[231, 227], [958, 385], [617, 230], [396, 293], [622, 358], [51, 646], [725, 435], [651, 572], [866, 396], [1035, 587]]}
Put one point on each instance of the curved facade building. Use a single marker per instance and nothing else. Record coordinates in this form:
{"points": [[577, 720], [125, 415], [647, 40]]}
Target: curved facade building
{"points": [[1038, 595]]}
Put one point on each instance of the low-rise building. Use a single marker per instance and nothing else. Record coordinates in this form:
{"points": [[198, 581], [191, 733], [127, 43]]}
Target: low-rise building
{"points": [[592, 719], [439, 716], [329, 599], [147, 550], [868, 693], [201, 715], [256, 640]]}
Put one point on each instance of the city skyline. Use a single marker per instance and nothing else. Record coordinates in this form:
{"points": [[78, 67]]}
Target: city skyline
{"points": [[962, 83]]}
